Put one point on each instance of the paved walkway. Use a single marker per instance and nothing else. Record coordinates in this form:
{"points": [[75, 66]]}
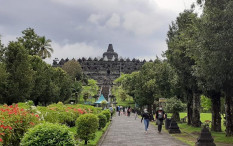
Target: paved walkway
{"points": [[126, 131]]}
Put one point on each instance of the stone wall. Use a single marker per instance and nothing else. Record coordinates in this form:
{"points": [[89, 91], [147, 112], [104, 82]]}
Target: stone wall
{"points": [[105, 72]]}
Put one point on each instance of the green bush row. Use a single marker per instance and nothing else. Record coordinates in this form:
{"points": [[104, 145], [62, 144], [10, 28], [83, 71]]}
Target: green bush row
{"points": [[57, 134]]}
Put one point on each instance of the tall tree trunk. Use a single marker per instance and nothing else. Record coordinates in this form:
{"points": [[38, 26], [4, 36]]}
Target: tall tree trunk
{"points": [[189, 108], [196, 110], [154, 109], [229, 115], [216, 116]]}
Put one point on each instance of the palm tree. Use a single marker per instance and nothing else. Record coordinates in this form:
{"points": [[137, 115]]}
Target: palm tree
{"points": [[45, 48]]}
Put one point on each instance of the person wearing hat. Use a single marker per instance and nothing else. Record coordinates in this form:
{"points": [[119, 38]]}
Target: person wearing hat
{"points": [[160, 116], [145, 116]]}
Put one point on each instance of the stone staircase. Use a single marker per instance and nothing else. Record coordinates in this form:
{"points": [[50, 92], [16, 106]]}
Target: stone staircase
{"points": [[106, 91]]}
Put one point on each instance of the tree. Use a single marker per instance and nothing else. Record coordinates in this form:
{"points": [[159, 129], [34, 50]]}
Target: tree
{"points": [[181, 40], [20, 73], [45, 48], [52, 90], [93, 87], [73, 69], [36, 45], [3, 82], [39, 78], [64, 83], [76, 90], [2, 51], [123, 95], [87, 125], [205, 104], [90, 89], [174, 106], [30, 41], [85, 96], [214, 62]]}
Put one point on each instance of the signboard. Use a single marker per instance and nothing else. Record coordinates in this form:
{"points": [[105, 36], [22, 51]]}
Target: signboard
{"points": [[162, 100]]}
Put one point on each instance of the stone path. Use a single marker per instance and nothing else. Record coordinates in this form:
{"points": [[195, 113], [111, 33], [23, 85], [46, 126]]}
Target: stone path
{"points": [[126, 131]]}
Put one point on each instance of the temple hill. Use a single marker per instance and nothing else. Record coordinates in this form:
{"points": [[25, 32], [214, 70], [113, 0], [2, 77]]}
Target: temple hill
{"points": [[106, 69]]}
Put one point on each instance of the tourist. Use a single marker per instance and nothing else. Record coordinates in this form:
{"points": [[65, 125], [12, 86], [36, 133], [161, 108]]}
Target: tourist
{"points": [[123, 110], [160, 116], [135, 114], [145, 116], [128, 111], [119, 110], [121, 107], [111, 111], [116, 108]]}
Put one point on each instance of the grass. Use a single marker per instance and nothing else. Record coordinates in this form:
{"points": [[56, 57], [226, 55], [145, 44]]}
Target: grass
{"points": [[128, 102], [94, 142], [190, 134]]}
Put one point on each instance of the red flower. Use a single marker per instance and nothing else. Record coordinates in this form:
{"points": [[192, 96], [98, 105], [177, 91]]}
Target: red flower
{"points": [[1, 140]]}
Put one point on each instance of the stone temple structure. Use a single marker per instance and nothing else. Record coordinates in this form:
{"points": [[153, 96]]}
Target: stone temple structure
{"points": [[106, 69]]}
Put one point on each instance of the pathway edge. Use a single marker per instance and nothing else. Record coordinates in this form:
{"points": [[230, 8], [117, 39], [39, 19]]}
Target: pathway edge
{"points": [[104, 135]]}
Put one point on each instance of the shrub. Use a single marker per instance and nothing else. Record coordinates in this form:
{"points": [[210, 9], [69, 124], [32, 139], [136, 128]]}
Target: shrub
{"points": [[107, 113], [87, 125], [205, 104], [58, 115], [175, 105], [14, 123], [102, 120], [103, 104], [47, 134], [64, 114]]}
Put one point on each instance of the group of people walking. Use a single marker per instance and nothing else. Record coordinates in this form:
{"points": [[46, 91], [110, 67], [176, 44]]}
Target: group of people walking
{"points": [[146, 117], [159, 117], [123, 110]]}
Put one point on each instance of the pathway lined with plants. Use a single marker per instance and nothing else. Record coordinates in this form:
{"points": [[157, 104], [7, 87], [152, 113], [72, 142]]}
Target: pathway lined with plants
{"points": [[126, 131]]}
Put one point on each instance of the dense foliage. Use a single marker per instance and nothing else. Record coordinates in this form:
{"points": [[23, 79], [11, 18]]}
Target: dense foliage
{"points": [[102, 120], [86, 126], [174, 106], [107, 114], [48, 134], [25, 76]]}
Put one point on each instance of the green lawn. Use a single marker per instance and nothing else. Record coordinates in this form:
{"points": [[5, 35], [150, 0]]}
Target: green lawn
{"points": [[190, 134], [128, 102]]}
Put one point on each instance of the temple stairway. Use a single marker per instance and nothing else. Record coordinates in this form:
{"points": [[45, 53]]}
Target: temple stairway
{"points": [[105, 91]]}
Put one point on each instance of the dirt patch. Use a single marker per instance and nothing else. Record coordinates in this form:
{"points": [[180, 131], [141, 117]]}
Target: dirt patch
{"points": [[196, 133]]}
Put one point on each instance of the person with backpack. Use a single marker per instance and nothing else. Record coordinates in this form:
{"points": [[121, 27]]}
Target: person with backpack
{"points": [[128, 111], [145, 116], [159, 117], [111, 111]]}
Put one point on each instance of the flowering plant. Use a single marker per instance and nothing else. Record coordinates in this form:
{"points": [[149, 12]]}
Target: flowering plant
{"points": [[14, 122]]}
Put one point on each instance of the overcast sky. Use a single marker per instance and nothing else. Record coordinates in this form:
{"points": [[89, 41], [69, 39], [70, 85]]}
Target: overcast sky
{"points": [[84, 28]]}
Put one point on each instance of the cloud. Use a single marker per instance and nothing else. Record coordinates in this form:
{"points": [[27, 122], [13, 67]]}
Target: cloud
{"points": [[7, 38], [140, 23], [76, 50], [114, 21], [136, 28], [95, 18]]}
